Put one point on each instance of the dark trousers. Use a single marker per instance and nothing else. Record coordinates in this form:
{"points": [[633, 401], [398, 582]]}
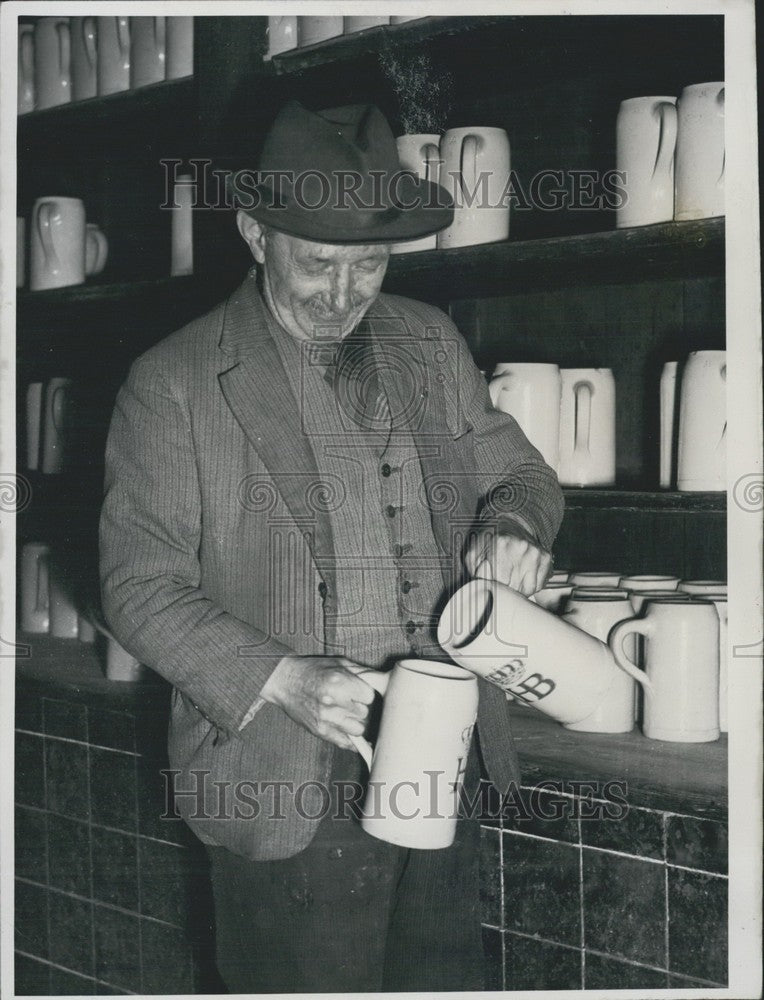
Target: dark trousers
{"points": [[351, 913]]}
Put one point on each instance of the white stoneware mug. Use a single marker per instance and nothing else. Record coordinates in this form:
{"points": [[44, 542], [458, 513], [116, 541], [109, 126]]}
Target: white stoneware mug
{"points": [[84, 58], [421, 155], [33, 424], [700, 152], [180, 47], [21, 249], [25, 96], [311, 30], [475, 171], [182, 227], [595, 578], [699, 588], [639, 598], [552, 596], [587, 427], [147, 51], [559, 576], [538, 657], [120, 665], [667, 418], [648, 582], [56, 426], [359, 23], [702, 452], [531, 394], [57, 243], [96, 249], [418, 763], [52, 62], [645, 142], [597, 612], [113, 55], [282, 34], [35, 591], [64, 619], [85, 630], [682, 663]]}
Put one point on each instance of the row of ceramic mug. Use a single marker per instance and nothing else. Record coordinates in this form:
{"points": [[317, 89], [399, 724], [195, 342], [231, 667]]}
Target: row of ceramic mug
{"points": [[693, 448], [48, 607], [581, 668], [48, 424], [64, 248], [671, 154], [292, 32], [63, 59]]}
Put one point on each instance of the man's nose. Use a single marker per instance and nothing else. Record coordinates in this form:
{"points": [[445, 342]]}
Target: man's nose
{"points": [[341, 289]]}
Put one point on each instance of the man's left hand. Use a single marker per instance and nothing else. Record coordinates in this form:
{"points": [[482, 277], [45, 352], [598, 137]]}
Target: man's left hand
{"points": [[509, 555]]}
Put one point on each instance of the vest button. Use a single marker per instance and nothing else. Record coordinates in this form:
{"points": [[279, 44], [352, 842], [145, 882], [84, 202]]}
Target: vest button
{"points": [[411, 627], [406, 586], [390, 510], [322, 590], [386, 470]]}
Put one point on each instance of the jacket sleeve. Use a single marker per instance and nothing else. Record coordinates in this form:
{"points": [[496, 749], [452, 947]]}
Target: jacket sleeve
{"points": [[150, 531]]}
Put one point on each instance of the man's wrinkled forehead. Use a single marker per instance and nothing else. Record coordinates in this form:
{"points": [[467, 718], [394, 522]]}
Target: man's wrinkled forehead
{"points": [[300, 249]]}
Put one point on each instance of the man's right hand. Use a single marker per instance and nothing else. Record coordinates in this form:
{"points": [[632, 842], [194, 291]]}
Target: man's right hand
{"points": [[321, 694]]}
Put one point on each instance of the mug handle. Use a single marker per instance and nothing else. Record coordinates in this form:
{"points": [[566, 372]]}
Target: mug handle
{"points": [[64, 49], [468, 159], [45, 214], [720, 102], [431, 156], [616, 641], [667, 141], [583, 436], [379, 681], [123, 36], [160, 36], [26, 55], [42, 600], [101, 251], [89, 40], [667, 409], [497, 385]]}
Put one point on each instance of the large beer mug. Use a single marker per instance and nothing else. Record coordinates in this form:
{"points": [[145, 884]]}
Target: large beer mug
{"points": [[531, 394], [147, 50], [645, 141], [702, 451], [417, 765], [113, 55], [52, 62], [25, 97], [421, 155], [700, 152], [475, 170], [666, 474], [587, 427], [84, 58], [57, 243], [538, 657]]}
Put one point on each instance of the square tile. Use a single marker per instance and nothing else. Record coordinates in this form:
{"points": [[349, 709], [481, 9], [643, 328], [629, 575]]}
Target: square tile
{"points": [[117, 949], [31, 844], [31, 919], [31, 978], [625, 907], [639, 831], [537, 965], [698, 925], [113, 789], [66, 778], [28, 711], [67, 984], [542, 888], [69, 855], [115, 868], [167, 959], [65, 718], [493, 950], [490, 877], [115, 730], [168, 877], [29, 770], [71, 940], [605, 973], [156, 815], [543, 812], [697, 843]]}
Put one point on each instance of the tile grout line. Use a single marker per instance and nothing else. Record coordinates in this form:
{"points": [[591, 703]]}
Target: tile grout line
{"points": [[103, 826], [581, 908], [138, 877], [47, 838], [82, 743], [90, 850], [72, 972], [666, 915], [502, 914]]}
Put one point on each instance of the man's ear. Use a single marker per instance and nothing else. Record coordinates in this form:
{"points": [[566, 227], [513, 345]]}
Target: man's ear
{"points": [[253, 234]]}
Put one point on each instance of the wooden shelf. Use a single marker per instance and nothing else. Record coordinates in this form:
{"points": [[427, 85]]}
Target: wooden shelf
{"points": [[672, 249], [653, 501]]}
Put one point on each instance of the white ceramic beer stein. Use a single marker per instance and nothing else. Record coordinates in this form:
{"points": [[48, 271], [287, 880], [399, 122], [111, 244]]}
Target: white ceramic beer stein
{"points": [[85, 630], [559, 576], [182, 227], [64, 619], [52, 62], [699, 588], [180, 47], [682, 663], [552, 596], [120, 665], [56, 425], [595, 578], [35, 591], [113, 55], [96, 249], [282, 34], [25, 67], [702, 452], [147, 51], [359, 23], [418, 763], [311, 30], [538, 657], [667, 429], [648, 582], [645, 142], [587, 427], [33, 424], [596, 612], [84, 58], [531, 394], [421, 155], [639, 598], [700, 152], [57, 243], [475, 171]]}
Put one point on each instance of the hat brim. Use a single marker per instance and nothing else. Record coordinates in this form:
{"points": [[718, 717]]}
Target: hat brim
{"points": [[425, 208]]}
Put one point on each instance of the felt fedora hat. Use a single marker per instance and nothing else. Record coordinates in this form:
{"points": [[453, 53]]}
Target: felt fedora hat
{"points": [[334, 176]]}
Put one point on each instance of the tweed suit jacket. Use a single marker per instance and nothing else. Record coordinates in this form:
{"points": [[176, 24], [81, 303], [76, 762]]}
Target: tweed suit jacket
{"points": [[216, 547]]}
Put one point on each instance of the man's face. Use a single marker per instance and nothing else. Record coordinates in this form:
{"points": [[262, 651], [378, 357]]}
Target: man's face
{"points": [[320, 290]]}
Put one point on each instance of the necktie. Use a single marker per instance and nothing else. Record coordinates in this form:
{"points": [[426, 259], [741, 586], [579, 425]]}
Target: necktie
{"points": [[351, 370]]}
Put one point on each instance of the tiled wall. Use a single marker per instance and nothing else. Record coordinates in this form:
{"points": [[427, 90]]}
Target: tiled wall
{"points": [[112, 899], [632, 903]]}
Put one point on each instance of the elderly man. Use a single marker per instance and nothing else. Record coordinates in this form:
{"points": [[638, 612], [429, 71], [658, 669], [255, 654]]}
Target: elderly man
{"points": [[295, 484]]}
